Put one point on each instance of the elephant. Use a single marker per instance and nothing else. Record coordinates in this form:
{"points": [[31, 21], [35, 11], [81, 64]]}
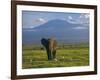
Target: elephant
{"points": [[50, 46]]}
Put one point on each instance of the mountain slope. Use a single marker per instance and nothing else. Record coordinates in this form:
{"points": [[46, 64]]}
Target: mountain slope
{"points": [[62, 30]]}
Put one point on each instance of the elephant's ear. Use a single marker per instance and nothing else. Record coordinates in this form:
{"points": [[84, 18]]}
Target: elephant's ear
{"points": [[44, 42]]}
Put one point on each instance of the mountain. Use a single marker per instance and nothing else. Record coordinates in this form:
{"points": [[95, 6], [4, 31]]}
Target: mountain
{"points": [[62, 30]]}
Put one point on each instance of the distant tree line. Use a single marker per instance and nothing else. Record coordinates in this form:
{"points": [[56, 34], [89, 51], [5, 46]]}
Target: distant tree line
{"points": [[60, 46]]}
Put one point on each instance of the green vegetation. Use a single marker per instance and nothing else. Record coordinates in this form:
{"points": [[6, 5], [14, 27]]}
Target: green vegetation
{"points": [[67, 56]]}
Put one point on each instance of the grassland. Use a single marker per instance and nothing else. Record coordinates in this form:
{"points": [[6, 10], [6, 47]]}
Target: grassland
{"points": [[67, 56]]}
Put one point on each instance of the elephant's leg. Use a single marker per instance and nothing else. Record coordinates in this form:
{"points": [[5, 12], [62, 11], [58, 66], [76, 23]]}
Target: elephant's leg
{"points": [[54, 54], [49, 54]]}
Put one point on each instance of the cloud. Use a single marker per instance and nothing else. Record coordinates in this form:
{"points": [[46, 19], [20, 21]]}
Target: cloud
{"points": [[82, 19], [38, 20], [80, 28], [73, 21], [34, 23], [41, 20], [70, 17], [86, 16]]}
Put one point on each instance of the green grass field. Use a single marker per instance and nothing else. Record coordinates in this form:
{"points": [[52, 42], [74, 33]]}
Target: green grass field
{"points": [[67, 56]]}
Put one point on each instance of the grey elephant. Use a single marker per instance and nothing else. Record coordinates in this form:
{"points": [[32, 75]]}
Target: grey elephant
{"points": [[50, 46]]}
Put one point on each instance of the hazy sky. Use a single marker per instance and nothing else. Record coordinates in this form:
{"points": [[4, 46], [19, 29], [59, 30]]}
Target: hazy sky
{"points": [[31, 19]]}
